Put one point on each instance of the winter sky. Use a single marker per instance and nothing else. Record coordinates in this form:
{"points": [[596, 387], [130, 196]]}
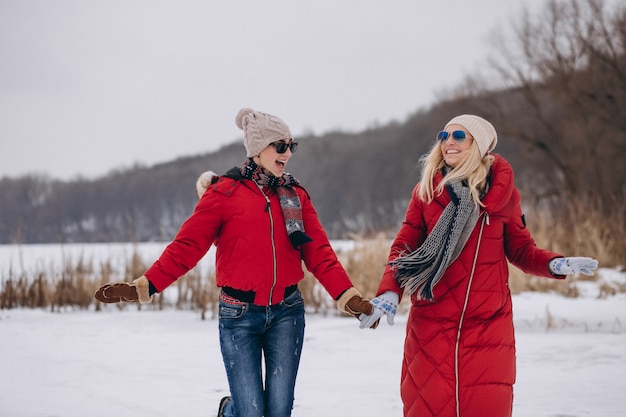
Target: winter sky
{"points": [[91, 86]]}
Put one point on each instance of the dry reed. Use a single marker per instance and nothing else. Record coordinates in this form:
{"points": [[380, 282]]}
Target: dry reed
{"points": [[73, 286]]}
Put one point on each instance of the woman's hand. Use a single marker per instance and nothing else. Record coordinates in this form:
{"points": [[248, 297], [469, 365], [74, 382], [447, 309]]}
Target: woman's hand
{"points": [[387, 304], [137, 291]]}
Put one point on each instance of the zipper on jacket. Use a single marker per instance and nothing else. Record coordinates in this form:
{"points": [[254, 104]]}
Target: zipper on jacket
{"points": [[458, 334], [269, 211]]}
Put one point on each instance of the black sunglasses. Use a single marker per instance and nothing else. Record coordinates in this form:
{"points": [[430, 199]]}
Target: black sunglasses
{"points": [[281, 147], [457, 135]]}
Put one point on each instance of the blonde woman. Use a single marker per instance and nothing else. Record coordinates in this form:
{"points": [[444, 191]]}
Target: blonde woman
{"points": [[463, 223]]}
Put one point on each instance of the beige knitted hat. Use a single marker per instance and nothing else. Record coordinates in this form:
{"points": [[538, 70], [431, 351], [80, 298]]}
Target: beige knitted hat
{"points": [[483, 132], [260, 129]]}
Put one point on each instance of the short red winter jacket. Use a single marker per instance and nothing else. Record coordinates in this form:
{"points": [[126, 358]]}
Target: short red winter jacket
{"points": [[459, 354], [254, 252]]}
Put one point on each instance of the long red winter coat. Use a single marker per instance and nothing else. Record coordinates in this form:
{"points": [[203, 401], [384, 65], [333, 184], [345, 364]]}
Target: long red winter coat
{"points": [[254, 252], [459, 352]]}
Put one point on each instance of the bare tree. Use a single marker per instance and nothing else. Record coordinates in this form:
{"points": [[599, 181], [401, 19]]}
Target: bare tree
{"points": [[566, 69]]}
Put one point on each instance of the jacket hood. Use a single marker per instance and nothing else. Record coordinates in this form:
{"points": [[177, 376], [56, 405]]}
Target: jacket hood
{"points": [[501, 185]]}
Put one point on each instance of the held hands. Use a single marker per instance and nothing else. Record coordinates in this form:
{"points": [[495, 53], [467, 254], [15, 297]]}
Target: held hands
{"points": [[573, 265], [358, 305], [386, 303], [137, 291], [352, 303]]}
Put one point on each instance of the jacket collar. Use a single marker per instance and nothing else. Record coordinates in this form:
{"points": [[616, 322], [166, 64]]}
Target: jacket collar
{"points": [[501, 186]]}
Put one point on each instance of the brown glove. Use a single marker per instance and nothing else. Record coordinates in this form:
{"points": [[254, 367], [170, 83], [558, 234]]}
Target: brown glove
{"points": [[137, 291], [358, 305], [352, 303]]}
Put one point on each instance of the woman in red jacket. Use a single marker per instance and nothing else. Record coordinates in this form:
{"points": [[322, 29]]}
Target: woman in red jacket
{"points": [[462, 224], [263, 225]]}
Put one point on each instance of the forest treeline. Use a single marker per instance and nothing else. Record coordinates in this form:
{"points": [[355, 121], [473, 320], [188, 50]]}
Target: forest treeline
{"points": [[554, 87]]}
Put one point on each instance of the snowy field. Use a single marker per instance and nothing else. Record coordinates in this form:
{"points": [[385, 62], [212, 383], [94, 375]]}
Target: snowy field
{"points": [[571, 357]]}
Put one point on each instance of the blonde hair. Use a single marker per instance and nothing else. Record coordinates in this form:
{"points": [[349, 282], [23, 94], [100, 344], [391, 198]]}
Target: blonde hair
{"points": [[473, 168]]}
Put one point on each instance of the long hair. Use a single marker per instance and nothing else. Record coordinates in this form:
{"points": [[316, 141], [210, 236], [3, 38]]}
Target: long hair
{"points": [[473, 168]]}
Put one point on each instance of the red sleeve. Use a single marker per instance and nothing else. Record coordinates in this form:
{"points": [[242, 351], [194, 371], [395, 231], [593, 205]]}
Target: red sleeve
{"points": [[520, 247], [191, 243], [319, 256], [411, 235]]}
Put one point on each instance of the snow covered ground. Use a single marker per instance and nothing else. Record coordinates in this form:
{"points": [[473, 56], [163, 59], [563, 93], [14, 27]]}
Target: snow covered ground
{"points": [[571, 357], [167, 363]]}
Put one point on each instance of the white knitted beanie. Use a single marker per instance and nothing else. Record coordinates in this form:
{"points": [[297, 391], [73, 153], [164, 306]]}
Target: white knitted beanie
{"points": [[260, 129], [483, 132]]}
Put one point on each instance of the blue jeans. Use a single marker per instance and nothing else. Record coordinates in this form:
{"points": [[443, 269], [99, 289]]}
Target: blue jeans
{"points": [[249, 333]]}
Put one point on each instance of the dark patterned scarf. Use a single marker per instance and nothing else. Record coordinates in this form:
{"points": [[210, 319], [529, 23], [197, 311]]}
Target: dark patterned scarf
{"points": [[288, 197]]}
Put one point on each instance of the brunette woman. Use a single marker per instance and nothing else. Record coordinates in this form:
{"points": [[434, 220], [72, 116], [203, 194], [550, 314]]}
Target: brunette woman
{"points": [[264, 226]]}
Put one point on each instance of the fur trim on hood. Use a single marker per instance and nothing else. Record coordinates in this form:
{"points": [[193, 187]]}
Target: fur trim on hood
{"points": [[204, 180]]}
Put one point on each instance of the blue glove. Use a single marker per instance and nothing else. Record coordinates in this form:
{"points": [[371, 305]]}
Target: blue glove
{"points": [[566, 266], [386, 303]]}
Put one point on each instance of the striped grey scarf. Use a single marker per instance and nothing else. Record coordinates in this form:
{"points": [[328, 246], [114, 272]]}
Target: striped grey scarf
{"points": [[422, 269]]}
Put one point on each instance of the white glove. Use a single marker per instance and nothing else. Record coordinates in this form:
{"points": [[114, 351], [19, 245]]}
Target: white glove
{"points": [[566, 266], [386, 303]]}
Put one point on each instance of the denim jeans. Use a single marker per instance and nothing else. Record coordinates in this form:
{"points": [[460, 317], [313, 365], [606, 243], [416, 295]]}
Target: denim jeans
{"points": [[250, 333]]}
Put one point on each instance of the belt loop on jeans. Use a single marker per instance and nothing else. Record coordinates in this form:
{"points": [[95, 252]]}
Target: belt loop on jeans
{"points": [[290, 290]]}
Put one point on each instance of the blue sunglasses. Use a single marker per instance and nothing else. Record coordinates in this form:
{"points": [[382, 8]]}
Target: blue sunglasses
{"points": [[457, 135]]}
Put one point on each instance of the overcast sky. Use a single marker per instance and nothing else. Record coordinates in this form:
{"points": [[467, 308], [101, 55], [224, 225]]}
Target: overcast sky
{"points": [[91, 86]]}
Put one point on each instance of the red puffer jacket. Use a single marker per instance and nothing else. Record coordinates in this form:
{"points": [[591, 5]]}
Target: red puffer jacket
{"points": [[459, 353], [254, 253]]}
